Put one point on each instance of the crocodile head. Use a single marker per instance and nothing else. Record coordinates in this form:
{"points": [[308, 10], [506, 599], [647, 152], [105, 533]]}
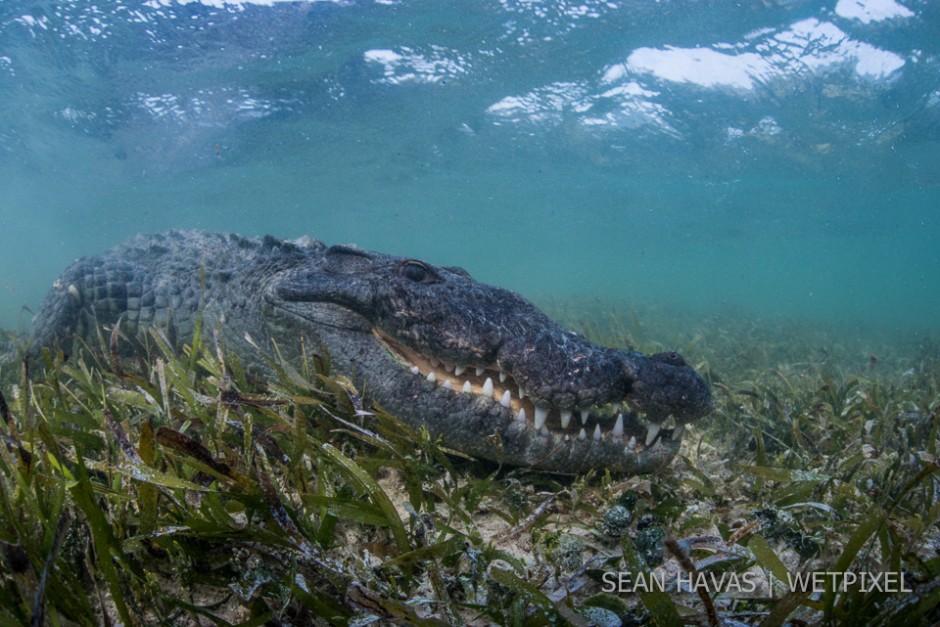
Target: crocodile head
{"points": [[484, 369]]}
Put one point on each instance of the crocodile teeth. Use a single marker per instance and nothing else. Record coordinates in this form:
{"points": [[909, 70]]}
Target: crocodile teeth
{"points": [[631, 443], [448, 367], [435, 362], [541, 415], [597, 432], [521, 415], [479, 371], [543, 430], [617, 407], [432, 377], [565, 418], [502, 376], [521, 393], [414, 370], [459, 370], [467, 387], [488, 387], [651, 433], [448, 385], [581, 434], [618, 426], [584, 416], [677, 432], [505, 400]]}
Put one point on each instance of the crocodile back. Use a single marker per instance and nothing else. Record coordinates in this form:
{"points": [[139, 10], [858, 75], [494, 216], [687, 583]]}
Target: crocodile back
{"points": [[164, 280]]}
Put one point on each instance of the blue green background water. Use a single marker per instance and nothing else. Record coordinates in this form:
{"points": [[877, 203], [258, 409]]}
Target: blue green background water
{"points": [[762, 157]]}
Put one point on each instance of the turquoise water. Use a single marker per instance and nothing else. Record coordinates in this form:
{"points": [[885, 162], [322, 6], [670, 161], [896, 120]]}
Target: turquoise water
{"points": [[777, 157]]}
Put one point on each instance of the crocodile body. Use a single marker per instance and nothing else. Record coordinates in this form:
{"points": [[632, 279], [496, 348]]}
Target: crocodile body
{"points": [[500, 366]]}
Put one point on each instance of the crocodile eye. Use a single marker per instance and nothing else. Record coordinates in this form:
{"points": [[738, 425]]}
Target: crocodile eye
{"points": [[415, 271]]}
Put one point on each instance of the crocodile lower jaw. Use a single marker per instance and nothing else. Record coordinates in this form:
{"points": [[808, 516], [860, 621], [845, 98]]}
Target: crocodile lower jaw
{"points": [[611, 421]]}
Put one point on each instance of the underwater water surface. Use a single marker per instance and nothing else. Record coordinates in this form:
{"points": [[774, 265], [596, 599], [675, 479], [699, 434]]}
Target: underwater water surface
{"points": [[772, 158]]}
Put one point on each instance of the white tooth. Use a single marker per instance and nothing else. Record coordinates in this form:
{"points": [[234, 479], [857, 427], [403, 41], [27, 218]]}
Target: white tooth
{"points": [[488, 387], [631, 443], [502, 376], [565, 418], [543, 430], [467, 387], [432, 377], [651, 433], [479, 371], [677, 432], [581, 434], [597, 432], [521, 415], [448, 367], [584, 415], [448, 385], [459, 370], [504, 401], [414, 370], [618, 426], [616, 407], [541, 415], [521, 393]]}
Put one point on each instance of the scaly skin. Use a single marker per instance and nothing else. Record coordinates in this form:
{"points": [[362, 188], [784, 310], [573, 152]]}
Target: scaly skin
{"points": [[388, 322]]}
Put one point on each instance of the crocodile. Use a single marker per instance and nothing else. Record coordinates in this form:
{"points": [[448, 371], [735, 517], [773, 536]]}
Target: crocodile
{"points": [[481, 367]]}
